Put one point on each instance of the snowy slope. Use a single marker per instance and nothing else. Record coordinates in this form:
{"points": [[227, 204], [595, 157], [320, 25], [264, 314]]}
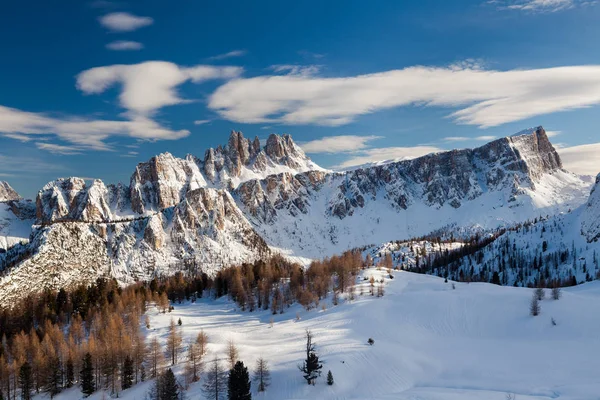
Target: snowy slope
{"points": [[431, 343]]}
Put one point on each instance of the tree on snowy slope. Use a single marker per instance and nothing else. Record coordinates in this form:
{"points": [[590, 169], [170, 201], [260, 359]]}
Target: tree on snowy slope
{"points": [[87, 376], [215, 384], [173, 341], [311, 366], [238, 386], [262, 375]]}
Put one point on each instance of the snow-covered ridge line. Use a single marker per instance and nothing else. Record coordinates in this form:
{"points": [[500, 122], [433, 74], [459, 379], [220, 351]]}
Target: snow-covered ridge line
{"points": [[244, 201]]}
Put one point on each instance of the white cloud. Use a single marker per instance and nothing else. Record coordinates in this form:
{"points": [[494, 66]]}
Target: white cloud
{"points": [[540, 6], [234, 53], [86, 133], [386, 154], [466, 138], [583, 160], [18, 136], [59, 149], [150, 85], [337, 144], [486, 98], [124, 45], [296, 70], [553, 133], [124, 22], [201, 121]]}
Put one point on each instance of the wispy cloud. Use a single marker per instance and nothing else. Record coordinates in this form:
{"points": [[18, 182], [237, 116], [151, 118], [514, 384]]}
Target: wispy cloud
{"points": [[22, 165], [466, 138], [124, 45], [539, 6], [338, 144], [553, 133], [124, 22], [583, 160], [231, 54], [386, 154], [296, 70], [59, 149], [202, 121], [18, 136], [484, 98]]}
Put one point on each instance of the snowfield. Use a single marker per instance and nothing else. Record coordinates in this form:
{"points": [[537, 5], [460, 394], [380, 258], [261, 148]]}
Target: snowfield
{"points": [[432, 342]]}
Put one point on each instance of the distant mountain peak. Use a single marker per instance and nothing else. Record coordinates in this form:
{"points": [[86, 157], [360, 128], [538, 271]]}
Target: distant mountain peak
{"points": [[7, 193]]}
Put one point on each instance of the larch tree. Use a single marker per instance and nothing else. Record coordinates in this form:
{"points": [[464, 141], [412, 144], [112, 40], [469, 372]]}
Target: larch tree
{"points": [[232, 353], [87, 375], [262, 375], [215, 383], [173, 341]]}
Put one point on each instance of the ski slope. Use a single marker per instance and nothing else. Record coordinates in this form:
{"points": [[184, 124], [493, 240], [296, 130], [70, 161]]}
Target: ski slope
{"points": [[431, 343]]}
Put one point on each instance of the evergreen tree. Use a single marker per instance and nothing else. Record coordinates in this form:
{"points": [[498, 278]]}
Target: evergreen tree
{"points": [[127, 373], [26, 381], [262, 375], [239, 383], [311, 366], [69, 373], [87, 376], [54, 377], [329, 378], [169, 388]]}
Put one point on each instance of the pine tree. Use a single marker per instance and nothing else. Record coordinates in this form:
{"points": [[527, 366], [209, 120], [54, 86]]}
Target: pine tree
{"points": [[262, 375], [127, 373], [169, 388], [54, 377], [311, 366], [87, 376], [216, 381], [26, 381], [534, 306], [69, 373], [239, 383], [329, 378]]}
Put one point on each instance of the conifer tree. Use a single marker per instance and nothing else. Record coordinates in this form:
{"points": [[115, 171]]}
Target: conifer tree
{"points": [[69, 373], [239, 383], [25, 380], [329, 378], [54, 377], [215, 385], [169, 387], [127, 373], [173, 342], [87, 376], [311, 366], [262, 375]]}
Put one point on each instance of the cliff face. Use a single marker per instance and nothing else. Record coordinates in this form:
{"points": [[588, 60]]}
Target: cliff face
{"points": [[243, 199], [590, 225]]}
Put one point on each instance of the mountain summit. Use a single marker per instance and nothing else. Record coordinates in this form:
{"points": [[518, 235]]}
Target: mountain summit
{"points": [[244, 200]]}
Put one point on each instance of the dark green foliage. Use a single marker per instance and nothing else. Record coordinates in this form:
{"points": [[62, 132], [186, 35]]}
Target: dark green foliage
{"points": [[69, 373], [329, 378], [25, 381], [169, 388], [179, 322], [87, 376], [496, 278], [311, 366], [127, 373], [54, 382], [239, 383], [371, 341]]}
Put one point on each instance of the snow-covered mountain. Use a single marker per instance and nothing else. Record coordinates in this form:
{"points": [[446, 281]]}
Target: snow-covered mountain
{"points": [[243, 201]]}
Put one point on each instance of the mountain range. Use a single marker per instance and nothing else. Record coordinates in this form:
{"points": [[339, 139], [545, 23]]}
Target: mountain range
{"points": [[244, 201]]}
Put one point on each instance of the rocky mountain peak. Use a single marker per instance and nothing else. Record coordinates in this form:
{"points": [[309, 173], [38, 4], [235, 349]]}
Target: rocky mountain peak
{"points": [[7, 193]]}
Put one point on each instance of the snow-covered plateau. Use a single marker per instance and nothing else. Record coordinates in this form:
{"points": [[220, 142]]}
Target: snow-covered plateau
{"points": [[432, 341]]}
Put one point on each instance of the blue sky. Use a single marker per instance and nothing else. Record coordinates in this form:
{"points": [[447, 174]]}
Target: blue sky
{"points": [[92, 88]]}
